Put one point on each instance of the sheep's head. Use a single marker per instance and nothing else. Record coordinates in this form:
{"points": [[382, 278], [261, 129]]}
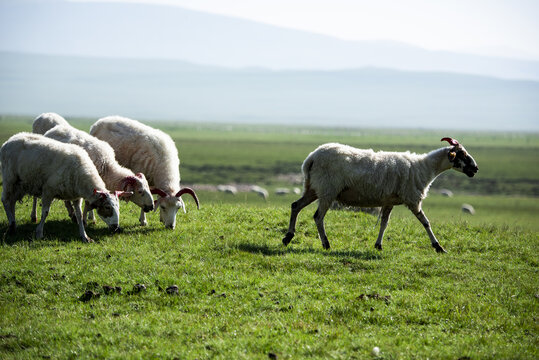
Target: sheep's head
{"points": [[142, 196], [460, 159], [107, 206], [170, 204]]}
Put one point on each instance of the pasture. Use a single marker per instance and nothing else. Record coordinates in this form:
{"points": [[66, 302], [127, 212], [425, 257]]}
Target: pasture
{"points": [[242, 294]]}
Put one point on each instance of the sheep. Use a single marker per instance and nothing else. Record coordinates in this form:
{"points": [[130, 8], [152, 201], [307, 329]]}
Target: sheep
{"points": [[47, 121], [282, 191], [467, 209], [366, 178], [260, 191], [114, 175], [35, 165], [227, 189], [446, 192], [149, 151]]}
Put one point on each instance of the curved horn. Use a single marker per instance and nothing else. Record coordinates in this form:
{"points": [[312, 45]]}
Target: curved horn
{"points": [[130, 181], [450, 141], [189, 191], [159, 192], [120, 194], [102, 194]]}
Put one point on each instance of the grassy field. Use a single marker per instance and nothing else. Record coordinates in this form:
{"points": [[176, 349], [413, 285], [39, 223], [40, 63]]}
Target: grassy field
{"points": [[243, 295]]}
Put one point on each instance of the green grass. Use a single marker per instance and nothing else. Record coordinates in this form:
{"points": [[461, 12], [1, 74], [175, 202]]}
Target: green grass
{"points": [[243, 295], [219, 154]]}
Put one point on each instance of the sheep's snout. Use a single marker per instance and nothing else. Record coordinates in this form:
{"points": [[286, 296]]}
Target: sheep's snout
{"points": [[148, 208], [470, 170], [114, 227]]}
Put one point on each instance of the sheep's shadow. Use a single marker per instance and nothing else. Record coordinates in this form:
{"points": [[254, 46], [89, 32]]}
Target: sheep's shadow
{"points": [[279, 250], [64, 231]]}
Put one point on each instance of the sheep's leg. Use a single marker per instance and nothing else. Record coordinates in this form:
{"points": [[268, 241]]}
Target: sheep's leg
{"points": [[386, 211], [434, 242], [45, 207], [33, 214], [77, 204], [9, 207], [70, 211], [87, 214], [297, 206], [323, 207], [142, 218]]}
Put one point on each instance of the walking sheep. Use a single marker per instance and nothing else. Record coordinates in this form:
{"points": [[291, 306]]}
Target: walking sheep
{"points": [[149, 151], [35, 165], [366, 178], [115, 176]]}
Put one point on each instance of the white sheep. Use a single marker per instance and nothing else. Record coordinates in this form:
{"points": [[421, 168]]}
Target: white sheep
{"points": [[366, 178], [227, 189], [38, 166], [260, 191], [115, 176], [149, 151], [41, 125], [47, 121], [467, 209]]}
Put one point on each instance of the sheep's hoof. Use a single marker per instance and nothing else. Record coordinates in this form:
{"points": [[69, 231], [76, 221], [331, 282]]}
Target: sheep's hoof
{"points": [[12, 229], [288, 237], [325, 245], [87, 239], [33, 218], [378, 246], [439, 248], [143, 223]]}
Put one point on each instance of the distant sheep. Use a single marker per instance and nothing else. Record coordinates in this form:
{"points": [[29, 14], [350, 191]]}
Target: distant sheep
{"points": [[35, 165], [366, 178], [282, 191], [47, 121], [227, 189], [115, 176], [446, 193], [468, 209], [144, 149], [260, 191]]}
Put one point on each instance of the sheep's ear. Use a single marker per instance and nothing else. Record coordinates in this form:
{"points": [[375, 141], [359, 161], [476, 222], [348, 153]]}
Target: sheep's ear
{"points": [[452, 156]]}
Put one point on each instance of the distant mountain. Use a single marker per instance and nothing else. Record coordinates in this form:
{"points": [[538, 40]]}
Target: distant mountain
{"points": [[176, 90], [129, 30]]}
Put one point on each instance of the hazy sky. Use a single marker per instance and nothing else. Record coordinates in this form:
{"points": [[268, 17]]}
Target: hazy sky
{"points": [[491, 27]]}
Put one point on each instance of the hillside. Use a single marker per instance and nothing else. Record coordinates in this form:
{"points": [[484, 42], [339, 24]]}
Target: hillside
{"points": [[167, 32], [177, 90]]}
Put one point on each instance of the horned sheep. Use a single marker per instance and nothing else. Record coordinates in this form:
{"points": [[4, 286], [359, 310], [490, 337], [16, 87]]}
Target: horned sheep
{"points": [[149, 151], [357, 177], [35, 165], [115, 176]]}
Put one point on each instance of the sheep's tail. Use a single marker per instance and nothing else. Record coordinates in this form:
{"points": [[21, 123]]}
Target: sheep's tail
{"points": [[306, 169]]}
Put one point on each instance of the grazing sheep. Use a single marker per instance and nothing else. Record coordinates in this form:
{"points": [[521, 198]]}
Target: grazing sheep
{"points": [[41, 125], [152, 152], [115, 176], [366, 178], [260, 191], [35, 165], [468, 209], [446, 193], [47, 121], [227, 189], [282, 191]]}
